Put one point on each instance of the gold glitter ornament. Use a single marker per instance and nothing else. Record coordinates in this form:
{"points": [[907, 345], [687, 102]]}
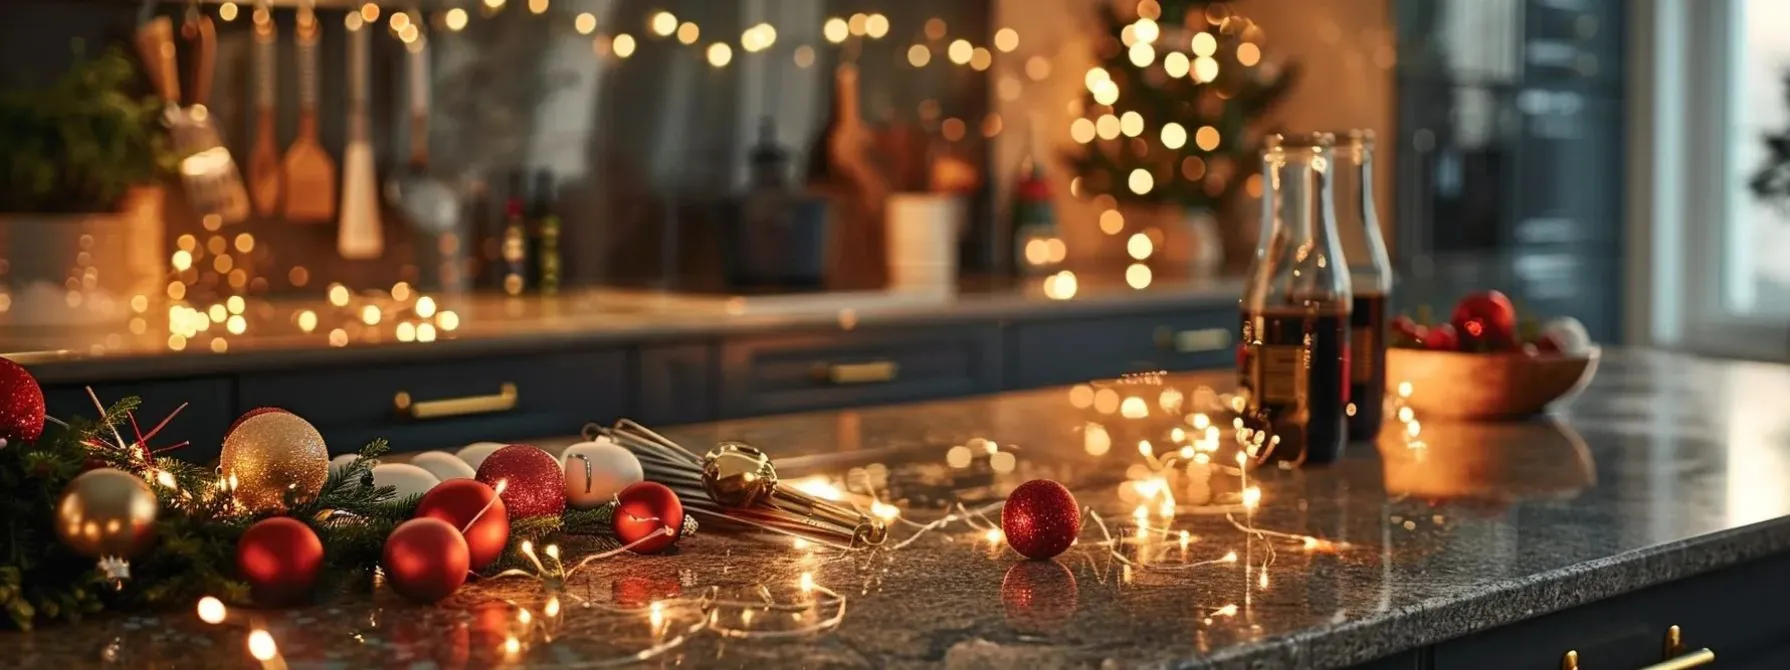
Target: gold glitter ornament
{"points": [[108, 515], [269, 454]]}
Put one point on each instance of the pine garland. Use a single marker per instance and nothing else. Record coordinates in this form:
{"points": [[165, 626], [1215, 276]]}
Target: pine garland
{"points": [[197, 530]]}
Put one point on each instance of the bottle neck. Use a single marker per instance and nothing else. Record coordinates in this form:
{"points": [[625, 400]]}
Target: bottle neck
{"points": [[1364, 247], [1300, 259]]}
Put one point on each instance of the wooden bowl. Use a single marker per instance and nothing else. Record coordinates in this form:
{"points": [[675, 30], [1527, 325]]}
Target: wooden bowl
{"points": [[1470, 386]]}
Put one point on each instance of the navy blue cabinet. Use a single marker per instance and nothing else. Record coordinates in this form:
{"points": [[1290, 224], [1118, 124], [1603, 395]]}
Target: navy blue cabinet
{"points": [[1064, 351], [819, 370], [676, 383], [445, 404]]}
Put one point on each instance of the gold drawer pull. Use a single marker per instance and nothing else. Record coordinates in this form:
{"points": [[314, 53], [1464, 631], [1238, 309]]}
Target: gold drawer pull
{"points": [[1675, 658], [502, 401], [857, 373], [1695, 659], [1193, 341]]}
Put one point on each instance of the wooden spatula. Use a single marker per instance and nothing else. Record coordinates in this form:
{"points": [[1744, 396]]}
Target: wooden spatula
{"points": [[310, 193], [265, 178]]}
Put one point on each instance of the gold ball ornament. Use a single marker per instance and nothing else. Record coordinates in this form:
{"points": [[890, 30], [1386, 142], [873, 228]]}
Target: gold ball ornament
{"points": [[109, 515], [268, 455]]}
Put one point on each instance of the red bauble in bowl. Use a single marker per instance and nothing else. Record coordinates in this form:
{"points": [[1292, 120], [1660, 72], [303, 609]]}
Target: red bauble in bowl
{"points": [[474, 508], [644, 509], [280, 558], [1485, 321]]}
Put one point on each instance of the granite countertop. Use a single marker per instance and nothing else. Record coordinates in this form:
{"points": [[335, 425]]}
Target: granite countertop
{"points": [[1665, 467], [112, 340]]}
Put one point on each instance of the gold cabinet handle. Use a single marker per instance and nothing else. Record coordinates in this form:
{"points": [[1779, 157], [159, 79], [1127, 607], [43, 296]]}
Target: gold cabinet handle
{"points": [[1675, 659], [1695, 659], [503, 400], [857, 373], [1193, 341]]}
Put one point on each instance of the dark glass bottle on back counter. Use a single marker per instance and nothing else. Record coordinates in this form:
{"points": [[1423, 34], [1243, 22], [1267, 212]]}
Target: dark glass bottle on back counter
{"points": [[1370, 279], [1293, 358]]}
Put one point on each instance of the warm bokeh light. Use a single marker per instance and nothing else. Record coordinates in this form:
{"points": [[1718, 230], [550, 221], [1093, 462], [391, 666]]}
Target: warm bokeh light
{"points": [[1131, 124], [1107, 127], [720, 54], [804, 56], [1176, 64], [663, 24], [1038, 68], [1140, 181], [981, 59], [227, 11], [261, 644], [623, 45], [1093, 78], [918, 55], [1138, 275], [1106, 92], [1204, 44], [835, 30], [1173, 135], [688, 33], [1205, 69], [455, 19], [586, 23], [1139, 246], [1111, 222], [1248, 54], [876, 26], [1206, 138], [960, 51], [212, 610], [1006, 39], [1142, 54]]}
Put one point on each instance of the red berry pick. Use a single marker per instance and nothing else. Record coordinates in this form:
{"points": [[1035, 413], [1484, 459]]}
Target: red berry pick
{"points": [[1040, 519]]}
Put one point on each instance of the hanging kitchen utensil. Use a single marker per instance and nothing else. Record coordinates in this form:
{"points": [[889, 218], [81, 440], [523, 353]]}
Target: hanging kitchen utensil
{"points": [[358, 235], [207, 173], [218, 166], [431, 205], [264, 158], [310, 188]]}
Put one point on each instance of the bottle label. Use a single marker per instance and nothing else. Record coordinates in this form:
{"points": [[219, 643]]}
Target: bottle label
{"points": [[1361, 362], [1280, 374]]}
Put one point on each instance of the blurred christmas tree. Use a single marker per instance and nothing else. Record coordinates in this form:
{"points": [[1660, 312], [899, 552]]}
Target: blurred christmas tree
{"points": [[1168, 113]]}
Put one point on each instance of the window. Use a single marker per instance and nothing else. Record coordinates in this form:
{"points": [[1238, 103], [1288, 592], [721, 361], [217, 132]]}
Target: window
{"points": [[1717, 262]]}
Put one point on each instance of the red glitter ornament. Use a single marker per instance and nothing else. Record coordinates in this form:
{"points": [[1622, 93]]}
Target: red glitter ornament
{"points": [[258, 411], [459, 502], [1040, 519], [529, 481], [21, 404], [643, 509], [280, 558], [425, 560]]}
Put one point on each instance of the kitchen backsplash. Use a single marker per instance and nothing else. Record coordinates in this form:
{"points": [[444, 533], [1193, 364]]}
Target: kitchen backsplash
{"points": [[644, 111]]}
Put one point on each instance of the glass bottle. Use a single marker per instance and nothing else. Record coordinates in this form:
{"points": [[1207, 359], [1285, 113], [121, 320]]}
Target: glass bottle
{"points": [[544, 252], [1370, 278], [514, 251], [1293, 357]]}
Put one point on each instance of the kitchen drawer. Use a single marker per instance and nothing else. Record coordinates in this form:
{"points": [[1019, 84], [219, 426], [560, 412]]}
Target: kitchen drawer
{"points": [[841, 369], [1736, 612], [1042, 353], [677, 384], [209, 410], [449, 403]]}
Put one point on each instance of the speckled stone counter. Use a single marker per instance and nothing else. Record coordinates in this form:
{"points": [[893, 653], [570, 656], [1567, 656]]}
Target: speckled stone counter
{"points": [[1666, 467]]}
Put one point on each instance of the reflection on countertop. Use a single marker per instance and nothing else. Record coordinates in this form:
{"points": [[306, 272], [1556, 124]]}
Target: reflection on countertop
{"points": [[1667, 466], [111, 336]]}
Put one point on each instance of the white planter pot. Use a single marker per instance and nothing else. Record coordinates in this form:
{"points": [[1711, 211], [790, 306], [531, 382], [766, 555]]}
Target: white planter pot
{"points": [[63, 269]]}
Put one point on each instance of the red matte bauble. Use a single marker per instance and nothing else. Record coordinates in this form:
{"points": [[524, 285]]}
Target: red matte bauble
{"points": [[425, 560], [1039, 597], [258, 411], [1040, 519], [460, 502], [1441, 338], [532, 484], [21, 404], [1485, 321], [644, 508], [280, 558]]}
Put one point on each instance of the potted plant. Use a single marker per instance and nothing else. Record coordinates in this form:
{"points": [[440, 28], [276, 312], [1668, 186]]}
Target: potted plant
{"points": [[80, 202]]}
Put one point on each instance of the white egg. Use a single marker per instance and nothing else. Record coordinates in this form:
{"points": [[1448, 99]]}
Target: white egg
{"points": [[410, 480], [1570, 333], [443, 465], [475, 453], [596, 471], [338, 463]]}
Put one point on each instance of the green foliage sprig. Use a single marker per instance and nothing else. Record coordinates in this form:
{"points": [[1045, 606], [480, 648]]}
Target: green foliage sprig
{"points": [[80, 142]]}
